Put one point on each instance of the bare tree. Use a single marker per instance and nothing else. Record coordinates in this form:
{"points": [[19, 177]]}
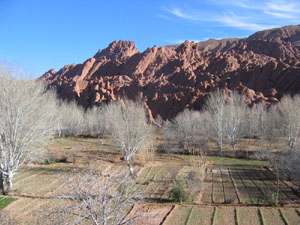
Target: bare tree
{"points": [[26, 121], [251, 123], [290, 119], [273, 124], [204, 132], [168, 131], [292, 162], [71, 119], [129, 127], [215, 105], [95, 197], [268, 126], [95, 122], [235, 112], [261, 113], [187, 128]]}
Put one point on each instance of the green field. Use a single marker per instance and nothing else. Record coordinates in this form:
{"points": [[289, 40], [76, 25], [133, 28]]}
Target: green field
{"points": [[4, 201]]}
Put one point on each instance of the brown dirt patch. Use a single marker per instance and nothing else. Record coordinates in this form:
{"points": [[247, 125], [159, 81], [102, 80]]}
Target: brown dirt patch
{"points": [[151, 214]]}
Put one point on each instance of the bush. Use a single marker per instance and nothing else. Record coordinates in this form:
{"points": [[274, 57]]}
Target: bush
{"points": [[178, 193], [49, 159]]}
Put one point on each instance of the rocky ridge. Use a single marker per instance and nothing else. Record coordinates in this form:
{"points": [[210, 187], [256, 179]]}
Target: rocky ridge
{"points": [[169, 79]]}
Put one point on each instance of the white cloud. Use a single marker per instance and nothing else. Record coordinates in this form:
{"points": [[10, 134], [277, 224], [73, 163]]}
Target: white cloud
{"points": [[232, 20], [238, 3], [180, 13], [282, 9], [283, 6], [248, 15], [291, 6], [177, 12], [280, 15]]}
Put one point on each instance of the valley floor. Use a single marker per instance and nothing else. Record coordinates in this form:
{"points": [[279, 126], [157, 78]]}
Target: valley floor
{"points": [[234, 191]]}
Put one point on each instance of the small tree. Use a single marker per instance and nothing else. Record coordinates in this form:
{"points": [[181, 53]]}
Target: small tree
{"points": [[187, 129], [268, 123], [215, 105], [235, 112], [168, 131], [290, 119], [26, 121], [129, 127], [178, 192], [251, 123], [95, 121], [94, 197], [71, 119], [292, 165], [261, 115]]}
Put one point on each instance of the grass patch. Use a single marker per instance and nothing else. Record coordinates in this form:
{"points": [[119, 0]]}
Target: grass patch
{"points": [[201, 215], [227, 161], [69, 142], [6, 201], [179, 216], [248, 216]]}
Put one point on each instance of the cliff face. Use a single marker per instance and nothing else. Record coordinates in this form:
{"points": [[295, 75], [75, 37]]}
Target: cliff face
{"points": [[171, 78]]}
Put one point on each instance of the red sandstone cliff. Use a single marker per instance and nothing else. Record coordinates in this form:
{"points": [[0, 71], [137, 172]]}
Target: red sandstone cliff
{"points": [[263, 67]]}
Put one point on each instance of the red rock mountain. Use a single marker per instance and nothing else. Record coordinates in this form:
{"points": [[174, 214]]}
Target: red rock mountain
{"points": [[169, 79]]}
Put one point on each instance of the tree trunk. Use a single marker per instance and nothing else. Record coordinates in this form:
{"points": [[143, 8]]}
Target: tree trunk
{"points": [[9, 183], [277, 188], [220, 144], [233, 149], [130, 167], [131, 170], [291, 143], [59, 133], [2, 184]]}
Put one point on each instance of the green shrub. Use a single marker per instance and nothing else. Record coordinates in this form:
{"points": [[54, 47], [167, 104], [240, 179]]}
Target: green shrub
{"points": [[178, 193]]}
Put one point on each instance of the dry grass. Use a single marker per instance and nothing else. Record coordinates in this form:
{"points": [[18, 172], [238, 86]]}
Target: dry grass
{"points": [[179, 215]]}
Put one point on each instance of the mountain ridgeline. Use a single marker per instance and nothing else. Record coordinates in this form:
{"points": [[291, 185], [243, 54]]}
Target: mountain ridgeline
{"points": [[264, 67]]}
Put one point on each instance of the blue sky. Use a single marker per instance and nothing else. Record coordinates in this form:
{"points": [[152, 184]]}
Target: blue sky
{"points": [[43, 34]]}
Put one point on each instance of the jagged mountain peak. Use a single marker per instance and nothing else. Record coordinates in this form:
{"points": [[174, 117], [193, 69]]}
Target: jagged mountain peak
{"points": [[119, 50]]}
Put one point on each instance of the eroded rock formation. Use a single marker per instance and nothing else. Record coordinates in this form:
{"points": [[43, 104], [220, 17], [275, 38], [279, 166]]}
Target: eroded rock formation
{"points": [[171, 78]]}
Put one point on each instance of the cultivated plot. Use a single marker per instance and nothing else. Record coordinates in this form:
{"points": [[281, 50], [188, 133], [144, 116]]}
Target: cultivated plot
{"points": [[246, 185]]}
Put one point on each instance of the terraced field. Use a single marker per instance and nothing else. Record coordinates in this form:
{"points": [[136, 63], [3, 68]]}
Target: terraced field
{"points": [[233, 191], [209, 215], [157, 180], [246, 185]]}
